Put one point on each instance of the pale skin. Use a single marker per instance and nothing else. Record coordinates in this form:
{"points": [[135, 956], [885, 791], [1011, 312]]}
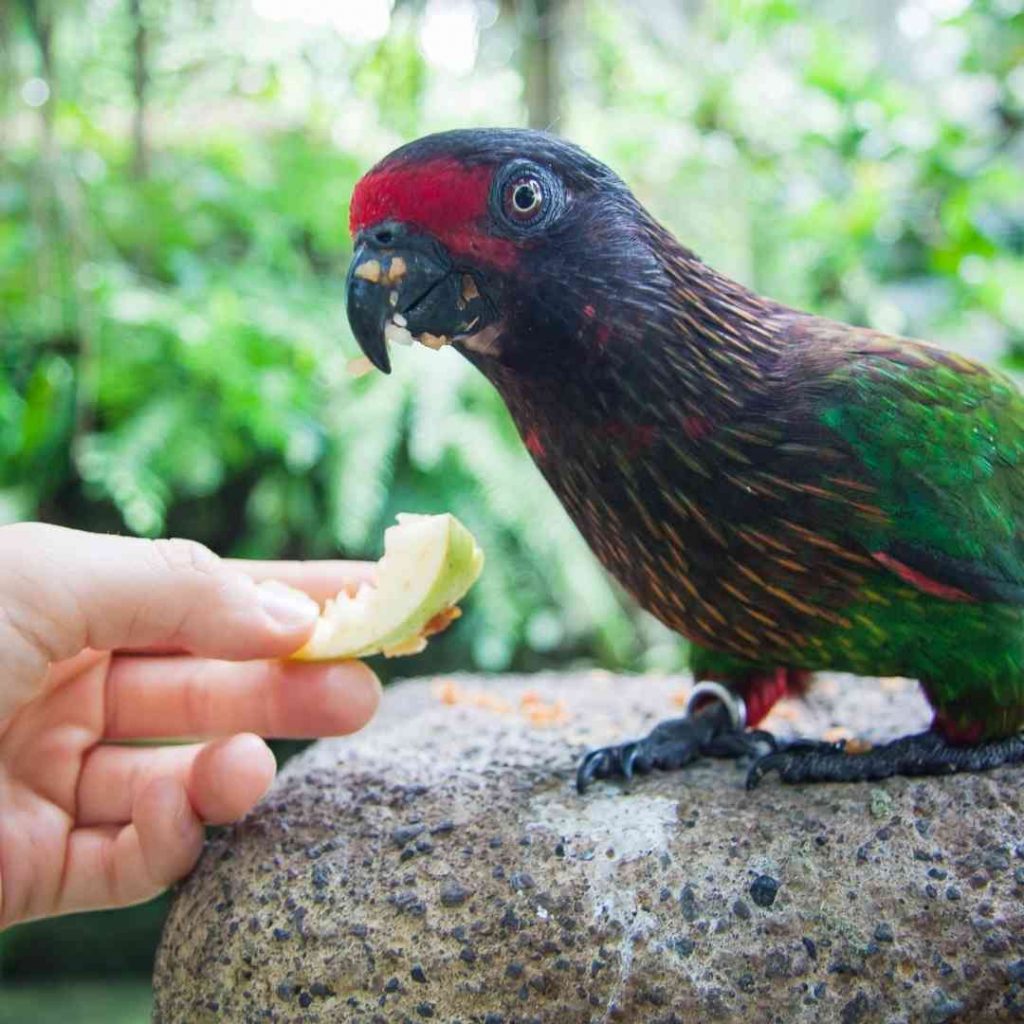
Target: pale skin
{"points": [[111, 639]]}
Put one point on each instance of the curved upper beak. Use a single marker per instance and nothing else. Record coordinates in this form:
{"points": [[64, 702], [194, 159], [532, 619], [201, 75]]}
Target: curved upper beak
{"points": [[403, 285]]}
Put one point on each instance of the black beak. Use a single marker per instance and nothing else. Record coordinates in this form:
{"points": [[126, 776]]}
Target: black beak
{"points": [[403, 280]]}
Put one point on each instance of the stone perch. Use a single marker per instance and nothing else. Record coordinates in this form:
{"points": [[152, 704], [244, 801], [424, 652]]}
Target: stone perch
{"points": [[440, 866]]}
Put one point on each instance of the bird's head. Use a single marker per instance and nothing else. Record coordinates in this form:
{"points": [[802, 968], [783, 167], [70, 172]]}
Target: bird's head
{"points": [[513, 245]]}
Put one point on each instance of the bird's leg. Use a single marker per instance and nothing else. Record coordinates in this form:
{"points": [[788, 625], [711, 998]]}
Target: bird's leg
{"points": [[714, 726], [925, 753], [969, 735]]}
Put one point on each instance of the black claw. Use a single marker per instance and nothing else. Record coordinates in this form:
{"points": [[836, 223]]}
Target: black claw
{"points": [[672, 744], [754, 775], [584, 774], [593, 766], [925, 753]]}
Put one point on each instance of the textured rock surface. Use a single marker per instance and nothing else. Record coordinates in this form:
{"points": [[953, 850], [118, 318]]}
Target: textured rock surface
{"points": [[440, 867]]}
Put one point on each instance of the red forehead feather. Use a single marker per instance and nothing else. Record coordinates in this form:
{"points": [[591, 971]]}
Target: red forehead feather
{"points": [[442, 197]]}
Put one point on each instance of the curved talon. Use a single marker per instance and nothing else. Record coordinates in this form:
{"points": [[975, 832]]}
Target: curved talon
{"points": [[587, 771], [636, 760], [761, 767], [628, 755]]}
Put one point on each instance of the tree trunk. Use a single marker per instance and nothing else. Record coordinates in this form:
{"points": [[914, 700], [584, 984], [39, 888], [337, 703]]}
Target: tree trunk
{"points": [[42, 191], [541, 72], [140, 87], [41, 19], [7, 73]]}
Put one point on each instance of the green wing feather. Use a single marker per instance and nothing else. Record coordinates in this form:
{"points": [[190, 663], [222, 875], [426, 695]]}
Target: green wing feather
{"points": [[942, 440]]}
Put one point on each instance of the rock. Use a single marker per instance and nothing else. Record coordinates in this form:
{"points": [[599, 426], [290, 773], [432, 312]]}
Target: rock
{"points": [[440, 866], [763, 890]]}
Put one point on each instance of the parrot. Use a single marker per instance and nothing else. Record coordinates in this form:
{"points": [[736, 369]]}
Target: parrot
{"points": [[790, 493]]}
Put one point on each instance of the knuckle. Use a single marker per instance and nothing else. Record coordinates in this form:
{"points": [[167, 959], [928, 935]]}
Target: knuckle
{"points": [[197, 578], [185, 556]]}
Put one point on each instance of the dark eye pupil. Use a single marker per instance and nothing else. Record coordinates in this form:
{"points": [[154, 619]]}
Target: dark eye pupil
{"points": [[526, 197]]}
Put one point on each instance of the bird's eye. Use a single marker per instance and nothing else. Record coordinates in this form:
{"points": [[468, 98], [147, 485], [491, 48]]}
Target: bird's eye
{"points": [[524, 198]]}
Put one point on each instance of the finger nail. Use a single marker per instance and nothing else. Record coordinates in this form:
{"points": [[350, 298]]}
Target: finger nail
{"points": [[287, 606]]}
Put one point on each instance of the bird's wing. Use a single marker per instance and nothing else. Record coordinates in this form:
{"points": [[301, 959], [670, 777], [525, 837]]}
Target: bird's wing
{"points": [[941, 439]]}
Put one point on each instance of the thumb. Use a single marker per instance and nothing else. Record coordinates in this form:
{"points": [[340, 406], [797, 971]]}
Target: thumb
{"points": [[62, 590]]}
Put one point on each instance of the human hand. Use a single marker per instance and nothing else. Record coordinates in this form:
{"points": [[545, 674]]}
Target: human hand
{"points": [[86, 823]]}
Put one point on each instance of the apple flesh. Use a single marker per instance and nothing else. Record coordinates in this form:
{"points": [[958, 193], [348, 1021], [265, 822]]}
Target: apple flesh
{"points": [[429, 564]]}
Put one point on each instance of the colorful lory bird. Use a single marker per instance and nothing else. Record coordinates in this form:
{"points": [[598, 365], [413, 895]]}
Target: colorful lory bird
{"points": [[790, 493]]}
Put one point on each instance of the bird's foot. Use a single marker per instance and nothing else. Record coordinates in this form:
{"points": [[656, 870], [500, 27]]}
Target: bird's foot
{"points": [[925, 753], [714, 730]]}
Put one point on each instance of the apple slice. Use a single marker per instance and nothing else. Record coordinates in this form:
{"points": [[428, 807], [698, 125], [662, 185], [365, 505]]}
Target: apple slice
{"points": [[429, 563]]}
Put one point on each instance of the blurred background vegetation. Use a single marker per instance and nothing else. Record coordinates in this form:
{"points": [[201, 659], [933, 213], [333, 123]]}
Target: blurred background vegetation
{"points": [[174, 182]]}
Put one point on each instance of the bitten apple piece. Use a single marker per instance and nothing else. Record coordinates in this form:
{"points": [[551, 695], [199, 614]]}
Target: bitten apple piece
{"points": [[429, 563]]}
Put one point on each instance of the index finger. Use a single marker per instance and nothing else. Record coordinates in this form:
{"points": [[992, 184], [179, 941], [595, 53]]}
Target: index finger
{"points": [[64, 590], [320, 579]]}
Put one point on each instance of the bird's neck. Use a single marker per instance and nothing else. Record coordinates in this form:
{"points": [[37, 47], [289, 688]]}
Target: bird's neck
{"points": [[667, 343]]}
